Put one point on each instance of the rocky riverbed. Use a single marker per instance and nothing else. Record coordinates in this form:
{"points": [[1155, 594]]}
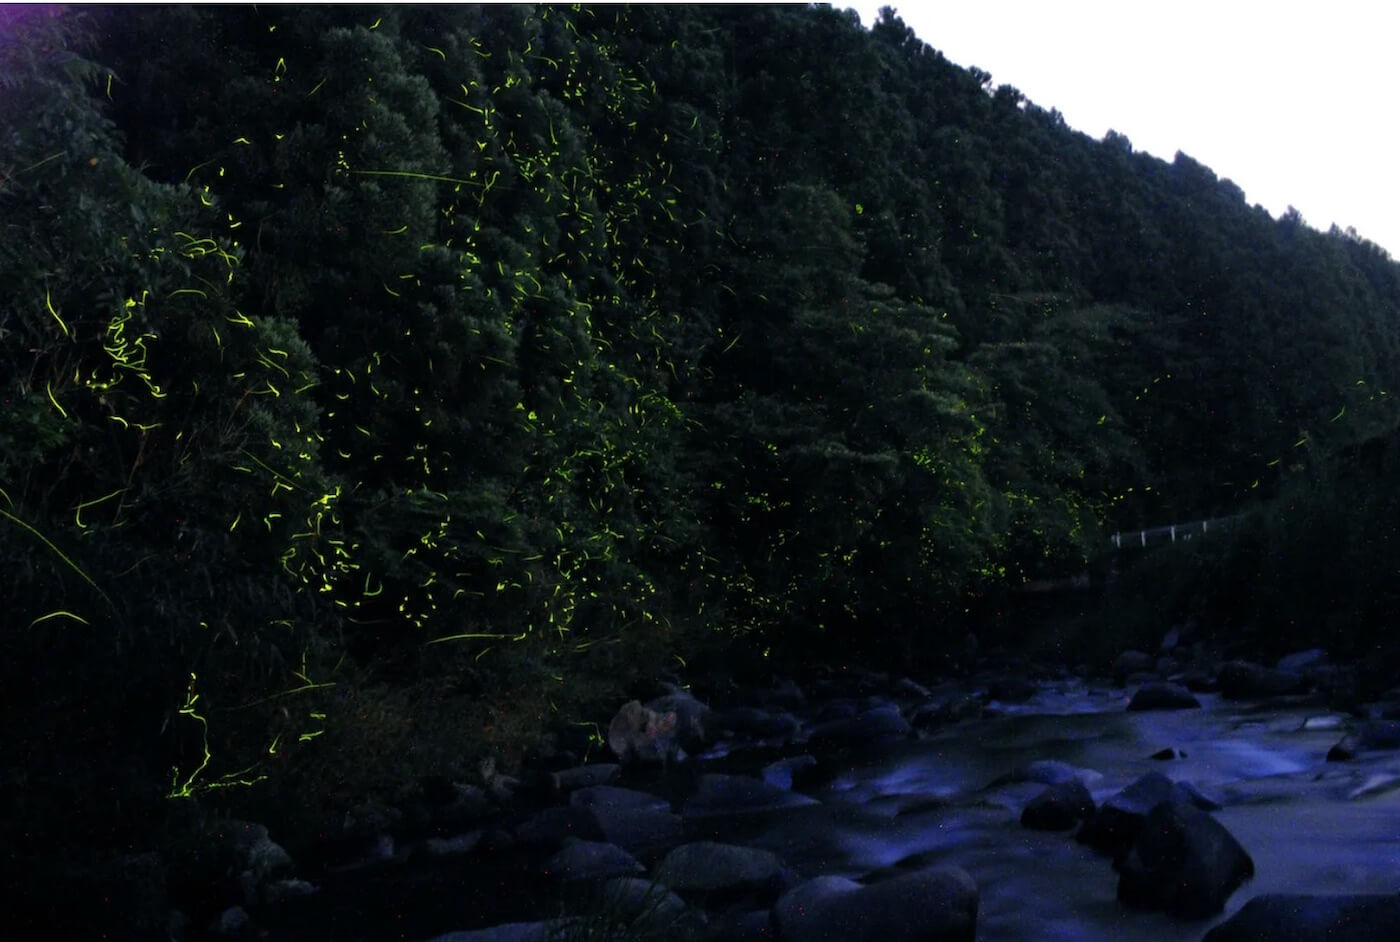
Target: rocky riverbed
{"points": [[854, 805]]}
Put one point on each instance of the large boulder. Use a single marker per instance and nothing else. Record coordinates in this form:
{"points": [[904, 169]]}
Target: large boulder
{"points": [[692, 726], [1289, 917], [936, 905], [1184, 862], [1118, 822], [1060, 807], [638, 734]]}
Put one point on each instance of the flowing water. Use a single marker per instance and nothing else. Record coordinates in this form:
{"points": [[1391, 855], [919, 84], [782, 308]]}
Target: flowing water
{"points": [[1310, 826]]}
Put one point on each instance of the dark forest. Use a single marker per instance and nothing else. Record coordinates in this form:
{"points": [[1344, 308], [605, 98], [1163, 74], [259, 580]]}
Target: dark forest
{"points": [[388, 388]]}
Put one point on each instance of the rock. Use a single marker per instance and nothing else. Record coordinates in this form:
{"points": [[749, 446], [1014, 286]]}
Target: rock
{"points": [[880, 725], [715, 870], [639, 829], [1326, 721], [457, 846], [553, 826], [753, 723], [947, 710], [1183, 861], [1167, 754], [239, 860], [613, 798], [1011, 690], [1370, 734], [1116, 825], [1379, 734], [280, 891], [719, 795], [233, 923], [582, 776], [468, 805], [1197, 680], [692, 719], [787, 695], [1059, 808], [637, 734], [782, 772], [1132, 662], [1170, 641], [1287, 917], [591, 860], [1302, 661], [935, 905], [1244, 680], [906, 687], [1162, 695]]}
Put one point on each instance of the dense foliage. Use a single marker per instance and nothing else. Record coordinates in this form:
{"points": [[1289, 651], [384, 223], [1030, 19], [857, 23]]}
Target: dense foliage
{"points": [[384, 384]]}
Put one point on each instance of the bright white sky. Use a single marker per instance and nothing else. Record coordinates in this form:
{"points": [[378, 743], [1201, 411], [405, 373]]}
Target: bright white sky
{"points": [[1296, 102]]}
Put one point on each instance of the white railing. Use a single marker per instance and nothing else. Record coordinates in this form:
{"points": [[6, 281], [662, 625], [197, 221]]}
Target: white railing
{"points": [[1171, 532]]}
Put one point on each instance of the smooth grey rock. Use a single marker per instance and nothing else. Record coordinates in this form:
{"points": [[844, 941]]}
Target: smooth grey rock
{"points": [[1059, 808], [712, 867], [1277, 917], [738, 794], [1163, 695], [936, 905], [591, 860], [1183, 861]]}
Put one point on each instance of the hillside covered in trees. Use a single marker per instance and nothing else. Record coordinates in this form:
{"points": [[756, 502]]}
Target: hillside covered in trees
{"points": [[384, 387]]}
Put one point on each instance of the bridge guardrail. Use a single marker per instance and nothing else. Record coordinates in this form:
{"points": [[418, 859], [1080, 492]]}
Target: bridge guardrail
{"points": [[1133, 539]]}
